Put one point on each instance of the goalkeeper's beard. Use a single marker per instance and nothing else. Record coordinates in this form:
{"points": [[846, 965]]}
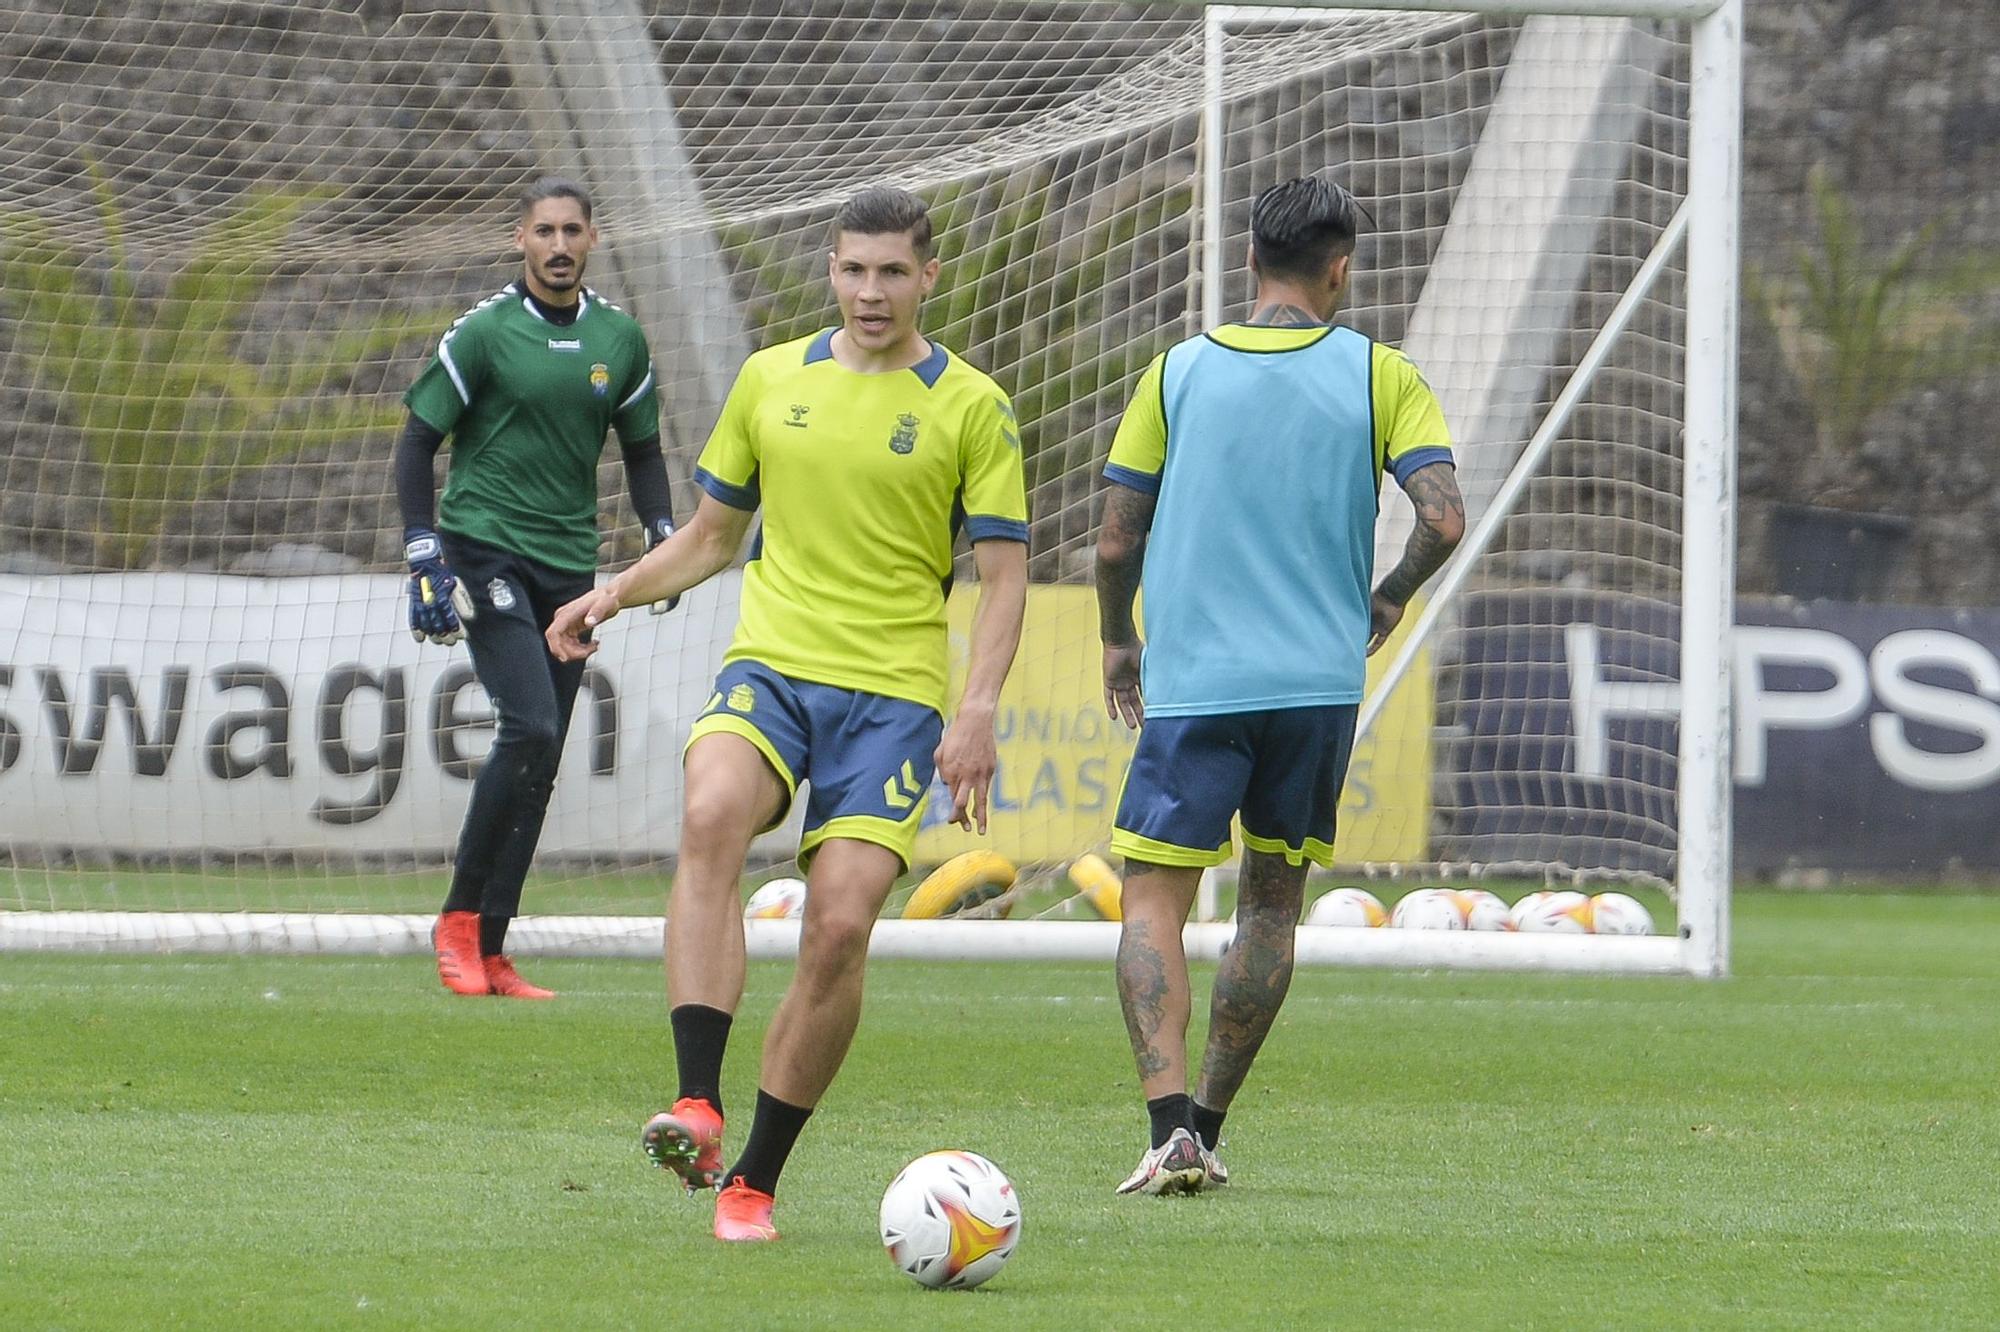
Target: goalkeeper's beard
{"points": [[565, 280]]}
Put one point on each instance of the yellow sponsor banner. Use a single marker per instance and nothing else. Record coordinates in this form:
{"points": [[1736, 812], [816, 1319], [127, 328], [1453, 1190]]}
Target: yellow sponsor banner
{"points": [[1385, 807], [1062, 759]]}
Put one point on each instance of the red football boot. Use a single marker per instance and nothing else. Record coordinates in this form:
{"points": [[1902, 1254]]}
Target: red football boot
{"points": [[456, 938], [743, 1213], [503, 980], [688, 1141]]}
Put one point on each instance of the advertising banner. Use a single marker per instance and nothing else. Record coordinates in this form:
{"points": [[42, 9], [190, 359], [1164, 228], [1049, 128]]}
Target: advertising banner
{"points": [[1063, 760], [1866, 738], [189, 712], [182, 713]]}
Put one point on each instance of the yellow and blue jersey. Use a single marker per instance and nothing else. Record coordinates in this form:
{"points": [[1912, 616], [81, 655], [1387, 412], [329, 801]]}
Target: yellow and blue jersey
{"points": [[1266, 448], [865, 481]]}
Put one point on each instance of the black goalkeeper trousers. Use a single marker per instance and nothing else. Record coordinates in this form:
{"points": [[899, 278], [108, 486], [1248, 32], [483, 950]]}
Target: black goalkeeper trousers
{"points": [[533, 694]]}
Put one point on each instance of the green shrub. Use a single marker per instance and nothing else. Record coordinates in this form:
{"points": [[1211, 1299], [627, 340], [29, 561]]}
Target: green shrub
{"points": [[1860, 327], [172, 400]]}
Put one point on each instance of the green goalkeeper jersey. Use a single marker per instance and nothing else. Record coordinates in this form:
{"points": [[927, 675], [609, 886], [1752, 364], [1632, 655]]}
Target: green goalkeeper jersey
{"points": [[527, 404]]}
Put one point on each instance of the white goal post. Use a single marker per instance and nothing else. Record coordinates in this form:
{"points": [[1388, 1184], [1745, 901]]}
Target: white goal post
{"points": [[215, 735]]}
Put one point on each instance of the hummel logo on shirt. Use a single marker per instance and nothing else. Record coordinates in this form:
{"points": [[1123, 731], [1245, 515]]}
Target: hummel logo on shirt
{"points": [[799, 411], [565, 344]]}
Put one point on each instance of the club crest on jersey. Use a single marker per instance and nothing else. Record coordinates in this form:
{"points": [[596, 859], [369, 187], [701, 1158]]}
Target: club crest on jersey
{"points": [[905, 437], [600, 379], [501, 595], [742, 698]]}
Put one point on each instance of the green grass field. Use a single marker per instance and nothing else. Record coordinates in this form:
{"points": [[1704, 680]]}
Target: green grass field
{"points": [[285, 1143]]}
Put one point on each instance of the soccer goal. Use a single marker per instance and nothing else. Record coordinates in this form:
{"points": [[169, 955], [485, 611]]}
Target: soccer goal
{"points": [[230, 236]]}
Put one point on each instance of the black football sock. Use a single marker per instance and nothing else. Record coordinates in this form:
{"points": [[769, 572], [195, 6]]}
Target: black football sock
{"points": [[464, 894], [1208, 1125], [1169, 1113], [701, 1034], [772, 1134], [493, 934]]}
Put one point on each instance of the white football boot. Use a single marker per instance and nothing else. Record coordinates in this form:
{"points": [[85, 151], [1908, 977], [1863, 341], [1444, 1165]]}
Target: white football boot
{"points": [[1214, 1174], [1175, 1166]]}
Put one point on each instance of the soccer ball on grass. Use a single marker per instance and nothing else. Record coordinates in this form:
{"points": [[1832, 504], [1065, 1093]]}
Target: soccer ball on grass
{"points": [[1619, 913], [1552, 912], [779, 899], [1429, 909], [1483, 910], [1356, 908], [950, 1219]]}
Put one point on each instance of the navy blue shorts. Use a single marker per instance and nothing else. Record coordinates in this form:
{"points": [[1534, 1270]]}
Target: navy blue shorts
{"points": [[1282, 769], [866, 759]]}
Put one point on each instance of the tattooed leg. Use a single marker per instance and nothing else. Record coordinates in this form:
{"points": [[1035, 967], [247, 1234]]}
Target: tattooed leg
{"points": [[1251, 981], [1152, 972]]}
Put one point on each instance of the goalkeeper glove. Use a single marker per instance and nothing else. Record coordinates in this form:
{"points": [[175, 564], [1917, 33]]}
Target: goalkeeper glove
{"points": [[437, 602], [657, 531]]}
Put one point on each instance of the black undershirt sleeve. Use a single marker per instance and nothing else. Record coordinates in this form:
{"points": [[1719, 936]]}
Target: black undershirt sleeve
{"points": [[416, 486], [646, 478]]}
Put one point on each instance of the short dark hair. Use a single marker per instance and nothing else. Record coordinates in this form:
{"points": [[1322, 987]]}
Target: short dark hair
{"points": [[882, 209], [1301, 226], [554, 187]]}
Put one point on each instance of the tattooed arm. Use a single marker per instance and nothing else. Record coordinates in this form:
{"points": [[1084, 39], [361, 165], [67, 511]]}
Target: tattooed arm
{"points": [[1433, 492], [1121, 555]]}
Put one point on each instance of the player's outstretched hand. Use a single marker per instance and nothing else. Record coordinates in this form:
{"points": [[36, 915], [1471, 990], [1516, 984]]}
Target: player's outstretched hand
{"points": [[437, 602], [966, 758], [1122, 699], [658, 531], [1383, 617], [569, 632]]}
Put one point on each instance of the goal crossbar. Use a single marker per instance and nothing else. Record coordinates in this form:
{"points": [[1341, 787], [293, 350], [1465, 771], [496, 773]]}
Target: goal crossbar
{"points": [[1682, 10]]}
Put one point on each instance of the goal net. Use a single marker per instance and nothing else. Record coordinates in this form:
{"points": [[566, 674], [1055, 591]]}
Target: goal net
{"points": [[233, 233]]}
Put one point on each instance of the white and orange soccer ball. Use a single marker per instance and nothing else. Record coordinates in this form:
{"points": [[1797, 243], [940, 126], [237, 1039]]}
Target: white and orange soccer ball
{"points": [[779, 899], [1429, 909], [950, 1220], [1617, 913], [1351, 907], [1562, 912], [1483, 910]]}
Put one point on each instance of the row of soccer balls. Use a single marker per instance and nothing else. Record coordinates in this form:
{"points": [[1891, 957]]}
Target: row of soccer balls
{"points": [[1552, 912], [1476, 909]]}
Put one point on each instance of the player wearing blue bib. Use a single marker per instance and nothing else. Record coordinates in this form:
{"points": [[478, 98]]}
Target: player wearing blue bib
{"points": [[868, 448], [1245, 480]]}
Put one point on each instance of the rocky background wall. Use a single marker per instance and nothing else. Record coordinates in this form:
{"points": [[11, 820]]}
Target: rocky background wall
{"points": [[1897, 107], [1871, 346]]}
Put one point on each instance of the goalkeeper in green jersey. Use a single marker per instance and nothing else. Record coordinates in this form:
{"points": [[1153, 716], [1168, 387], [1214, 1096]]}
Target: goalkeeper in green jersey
{"points": [[868, 448], [525, 384]]}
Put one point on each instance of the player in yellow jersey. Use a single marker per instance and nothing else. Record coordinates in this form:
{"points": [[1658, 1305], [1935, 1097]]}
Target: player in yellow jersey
{"points": [[1245, 480], [867, 447]]}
